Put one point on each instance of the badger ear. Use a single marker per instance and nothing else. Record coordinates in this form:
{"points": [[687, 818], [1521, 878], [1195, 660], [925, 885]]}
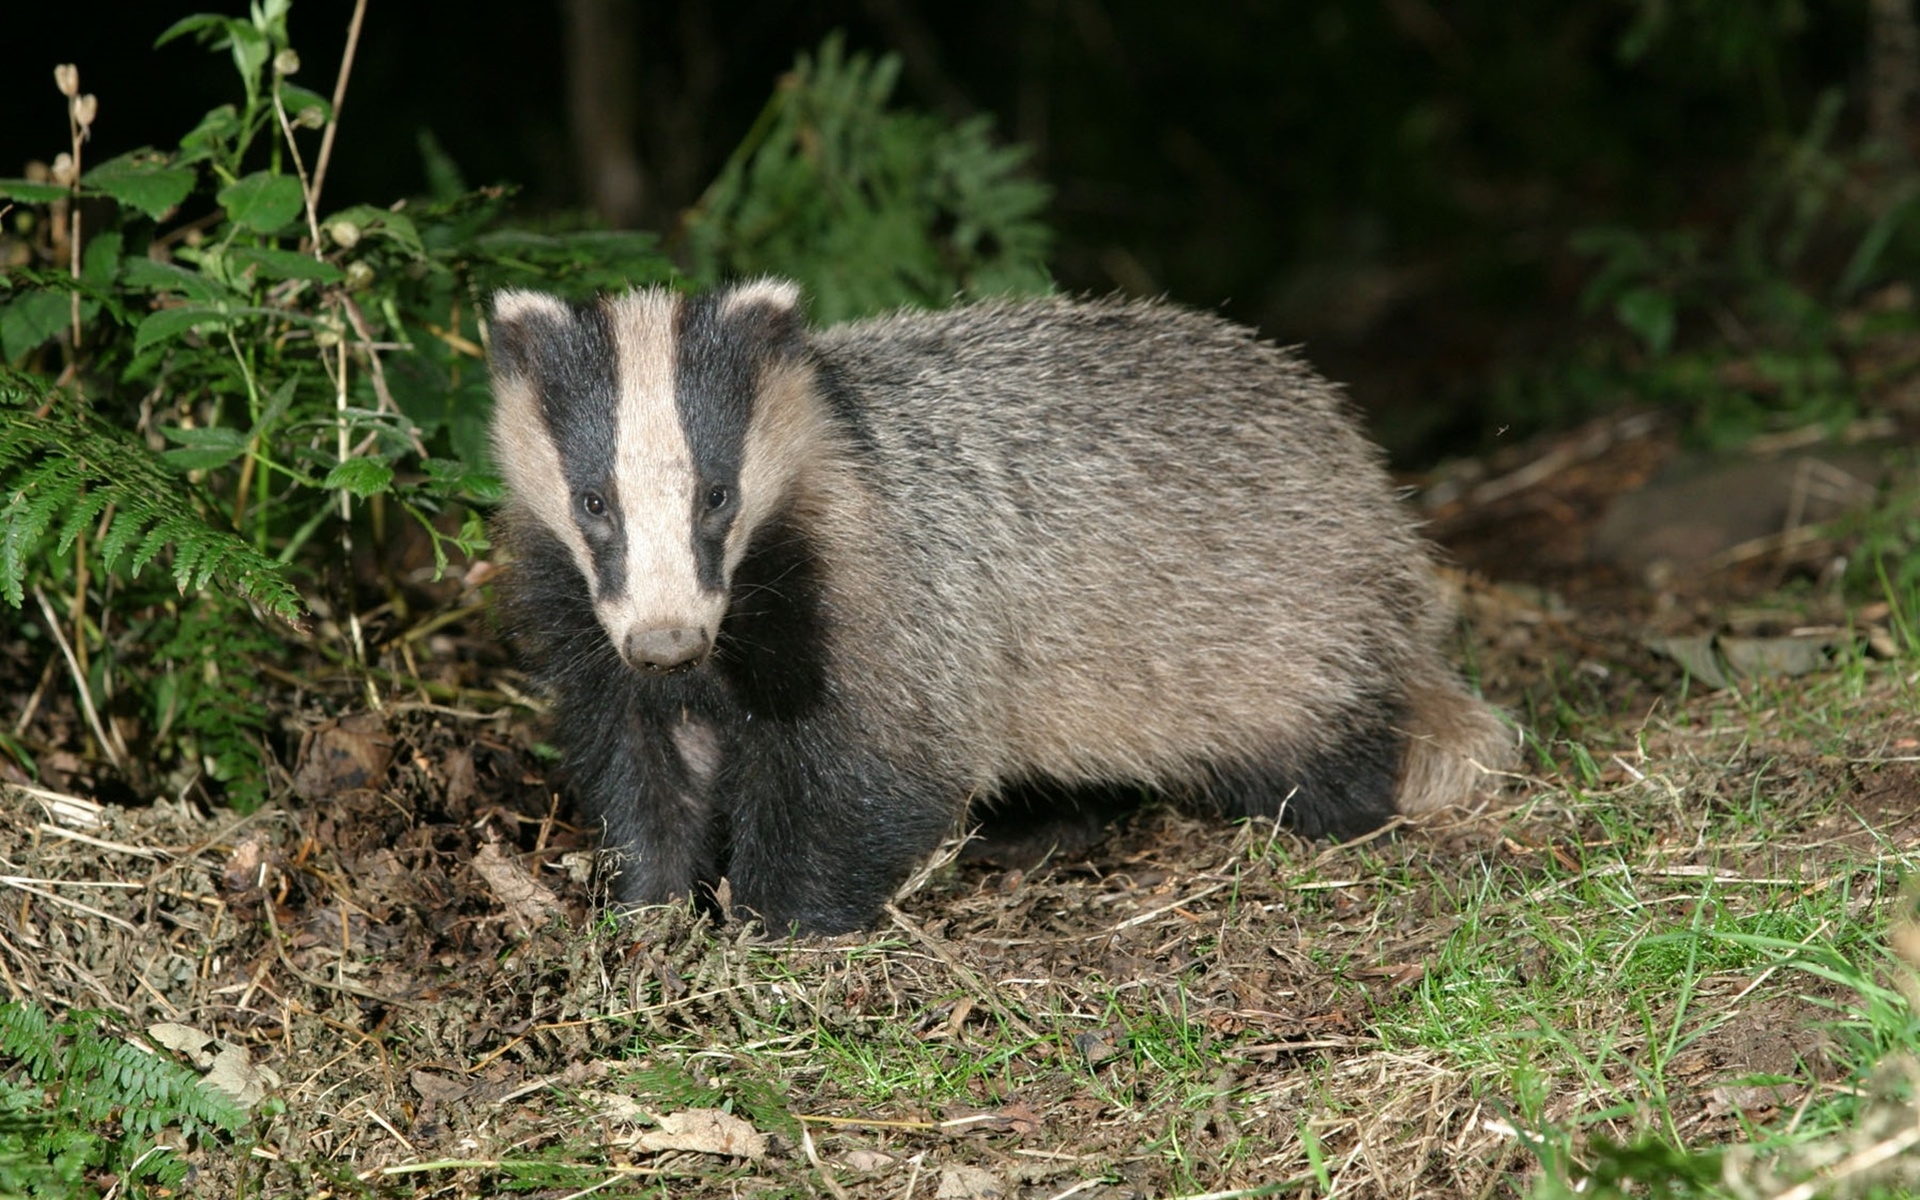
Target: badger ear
{"points": [[768, 311], [521, 322]]}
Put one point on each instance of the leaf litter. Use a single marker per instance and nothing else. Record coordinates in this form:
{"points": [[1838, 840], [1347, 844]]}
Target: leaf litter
{"points": [[403, 953]]}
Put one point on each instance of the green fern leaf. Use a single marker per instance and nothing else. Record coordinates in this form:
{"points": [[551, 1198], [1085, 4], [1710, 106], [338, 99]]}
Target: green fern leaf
{"points": [[70, 468]]}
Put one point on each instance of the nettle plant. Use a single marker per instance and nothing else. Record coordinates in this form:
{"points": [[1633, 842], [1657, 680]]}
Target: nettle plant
{"points": [[212, 384]]}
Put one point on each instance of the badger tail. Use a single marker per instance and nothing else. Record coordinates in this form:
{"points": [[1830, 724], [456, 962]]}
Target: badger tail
{"points": [[1458, 749]]}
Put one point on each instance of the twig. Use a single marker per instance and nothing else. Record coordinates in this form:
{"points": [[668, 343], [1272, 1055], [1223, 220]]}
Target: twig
{"points": [[79, 679], [826, 1176], [88, 909], [968, 975], [328, 985], [387, 403], [867, 1122], [307, 192], [1143, 918], [80, 113], [339, 95], [33, 701]]}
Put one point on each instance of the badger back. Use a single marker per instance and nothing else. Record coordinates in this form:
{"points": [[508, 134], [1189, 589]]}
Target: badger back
{"points": [[643, 438], [1151, 539]]}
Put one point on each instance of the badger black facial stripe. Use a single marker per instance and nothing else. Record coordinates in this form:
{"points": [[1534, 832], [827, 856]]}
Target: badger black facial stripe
{"points": [[551, 378], [579, 396], [714, 392]]}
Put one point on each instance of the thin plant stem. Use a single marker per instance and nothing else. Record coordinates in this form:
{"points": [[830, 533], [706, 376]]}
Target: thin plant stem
{"points": [[339, 95], [108, 746]]}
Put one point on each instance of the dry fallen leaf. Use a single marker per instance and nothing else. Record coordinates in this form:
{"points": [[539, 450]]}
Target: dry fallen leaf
{"points": [[529, 902], [222, 1064], [617, 1107], [706, 1131], [1718, 660], [969, 1183], [340, 756], [431, 1085], [1015, 1118]]}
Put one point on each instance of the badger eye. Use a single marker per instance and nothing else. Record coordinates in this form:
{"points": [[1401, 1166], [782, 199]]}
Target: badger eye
{"points": [[594, 503], [717, 497]]}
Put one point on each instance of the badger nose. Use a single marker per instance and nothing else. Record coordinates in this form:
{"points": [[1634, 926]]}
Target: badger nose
{"points": [[664, 649]]}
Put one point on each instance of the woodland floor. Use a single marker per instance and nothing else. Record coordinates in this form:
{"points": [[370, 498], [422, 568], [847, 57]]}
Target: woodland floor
{"points": [[404, 942]]}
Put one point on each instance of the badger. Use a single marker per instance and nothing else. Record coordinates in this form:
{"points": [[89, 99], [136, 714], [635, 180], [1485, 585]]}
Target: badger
{"points": [[802, 600]]}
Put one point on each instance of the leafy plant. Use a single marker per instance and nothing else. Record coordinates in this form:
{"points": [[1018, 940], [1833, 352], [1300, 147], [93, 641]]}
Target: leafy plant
{"points": [[76, 1102], [221, 379], [870, 208], [1750, 331]]}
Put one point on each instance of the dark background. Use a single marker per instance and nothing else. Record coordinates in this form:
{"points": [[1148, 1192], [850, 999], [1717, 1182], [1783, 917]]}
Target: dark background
{"points": [[1392, 182]]}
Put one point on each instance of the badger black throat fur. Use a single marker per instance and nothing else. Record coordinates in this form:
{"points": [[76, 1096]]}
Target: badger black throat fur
{"points": [[799, 597]]}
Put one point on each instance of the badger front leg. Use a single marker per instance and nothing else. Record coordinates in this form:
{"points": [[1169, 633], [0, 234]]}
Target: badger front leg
{"points": [[645, 779], [824, 828]]}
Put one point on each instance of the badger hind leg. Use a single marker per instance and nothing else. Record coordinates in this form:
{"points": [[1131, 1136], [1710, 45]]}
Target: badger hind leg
{"points": [[1439, 747], [1033, 819], [1340, 791], [1457, 747]]}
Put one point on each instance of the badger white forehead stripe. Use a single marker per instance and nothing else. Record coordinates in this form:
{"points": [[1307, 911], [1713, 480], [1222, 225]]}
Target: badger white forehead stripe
{"points": [[516, 304], [779, 293], [654, 472]]}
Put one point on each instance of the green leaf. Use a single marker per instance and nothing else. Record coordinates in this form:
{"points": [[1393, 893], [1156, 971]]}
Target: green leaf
{"points": [[28, 192], [211, 136], [32, 319], [51, 465], [271, 263], [251, 50], [101, 262], [262, 201], [162, 278], [165, 323], [1649, 314], [363, 477], [142, 179], [368, 221], [203, 449], [197, 23], [277, 405], [297, 100]]}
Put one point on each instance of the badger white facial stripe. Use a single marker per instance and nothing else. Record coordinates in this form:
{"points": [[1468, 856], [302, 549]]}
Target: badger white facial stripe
{"points": [[657, 481]]}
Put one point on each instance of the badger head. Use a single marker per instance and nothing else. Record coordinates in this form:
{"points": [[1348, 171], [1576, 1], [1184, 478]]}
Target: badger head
{"points": [[651, 433]]}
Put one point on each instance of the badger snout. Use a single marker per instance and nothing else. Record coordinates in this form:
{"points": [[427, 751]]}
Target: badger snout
{"points": [[665, 649]]}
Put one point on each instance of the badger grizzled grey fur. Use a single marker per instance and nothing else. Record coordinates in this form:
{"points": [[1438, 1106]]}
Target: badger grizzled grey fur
{"points": [[800, 597]]}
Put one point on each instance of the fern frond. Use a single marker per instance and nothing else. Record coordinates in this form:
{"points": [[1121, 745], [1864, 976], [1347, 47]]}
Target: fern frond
{"points": [[56, 1123], [72, 468], [26, 1033]]}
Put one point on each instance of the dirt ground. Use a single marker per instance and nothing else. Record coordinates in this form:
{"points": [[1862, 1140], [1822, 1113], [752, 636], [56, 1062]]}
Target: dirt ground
{"points": [[405, 943]]}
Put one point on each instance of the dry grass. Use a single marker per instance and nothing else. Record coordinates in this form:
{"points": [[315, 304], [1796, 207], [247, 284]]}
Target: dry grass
{"points": [[1192, 1009]]}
